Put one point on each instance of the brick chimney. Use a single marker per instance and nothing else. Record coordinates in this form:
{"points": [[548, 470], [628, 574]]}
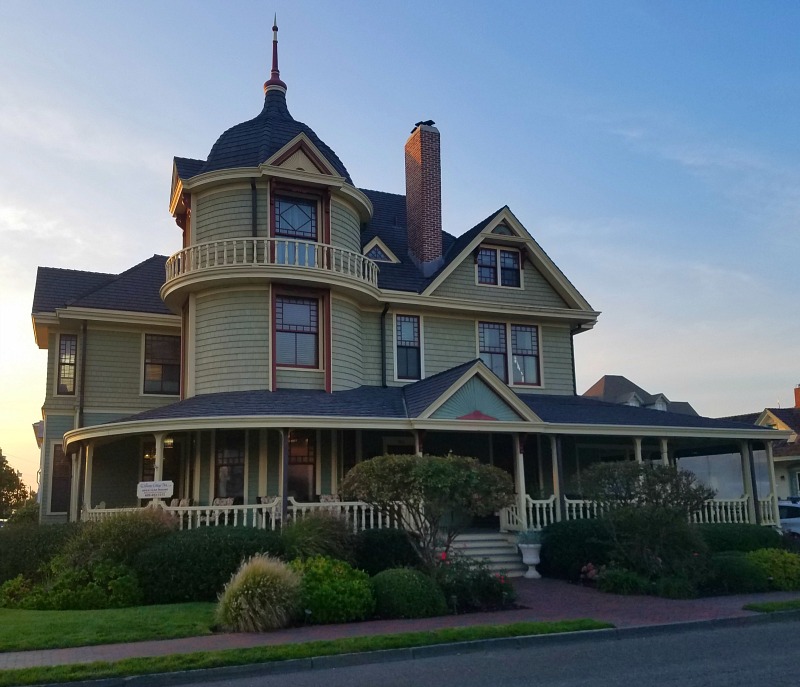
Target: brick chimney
{"points": [[424, 197], [797, 396]]}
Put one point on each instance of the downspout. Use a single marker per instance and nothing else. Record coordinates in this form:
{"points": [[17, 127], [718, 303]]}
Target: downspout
{"points": [[253, 209], [572, 356], [383, 345]]}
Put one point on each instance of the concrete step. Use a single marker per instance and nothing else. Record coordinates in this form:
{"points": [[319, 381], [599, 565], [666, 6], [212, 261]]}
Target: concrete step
{"points": [[498, 551]]}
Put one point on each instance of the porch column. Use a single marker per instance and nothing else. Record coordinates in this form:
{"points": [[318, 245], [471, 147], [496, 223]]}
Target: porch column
{"points": [[417, 442], [555, 458], [158, 465], [772, 486], [87, 477], [519, 479], [748, 481], [74, 487], [334, 463], [664, 451], [284, 476], [637, 448]]}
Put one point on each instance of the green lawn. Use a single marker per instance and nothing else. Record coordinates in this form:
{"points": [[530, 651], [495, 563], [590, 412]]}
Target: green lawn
{"points": [[22, 630], [264, 654], [774, 606]]}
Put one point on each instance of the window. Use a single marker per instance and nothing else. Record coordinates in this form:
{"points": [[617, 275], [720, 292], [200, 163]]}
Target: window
{"points": [[498, 267], [67, 356], [162, 364], [297, 331], [229, 465], [409, 363], [377, 254], [492, 345], [296, 217], [61, 482], [522, 355]]}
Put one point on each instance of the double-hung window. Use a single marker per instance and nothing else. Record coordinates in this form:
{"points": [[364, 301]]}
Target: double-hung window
{"points": [[498, 267], [297, 331], [295, 218], [162, 364], [409, 358], [521, 356], [67, 358]]}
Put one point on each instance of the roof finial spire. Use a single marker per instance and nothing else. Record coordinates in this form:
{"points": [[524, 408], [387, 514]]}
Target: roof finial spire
{"points": [[275, 75]]}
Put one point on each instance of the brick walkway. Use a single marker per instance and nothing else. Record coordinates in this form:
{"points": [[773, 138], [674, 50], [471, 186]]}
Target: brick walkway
{"points": [[544, 600]]}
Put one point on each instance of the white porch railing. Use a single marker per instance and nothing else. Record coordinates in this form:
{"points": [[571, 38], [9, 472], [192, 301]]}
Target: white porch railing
{"points": [[283, 252], [357, 514], [767, 509], [583, 509], [723, 511], [539, 514]]}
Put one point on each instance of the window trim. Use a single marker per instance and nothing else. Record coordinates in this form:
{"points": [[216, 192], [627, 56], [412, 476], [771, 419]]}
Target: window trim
{"points": [[156, 394], [397, 377], [498, 250], [510, 352], [57, 377], [320, 353]]}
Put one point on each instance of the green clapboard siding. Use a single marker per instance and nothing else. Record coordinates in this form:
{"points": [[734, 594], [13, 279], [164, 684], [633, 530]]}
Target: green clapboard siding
{"points": [[448, 342], [232, 341], [55, 427], [371, 347], [300, 379], [537, 292], [115, 473], [473, 396], [557, 360], [345, 228], [223, 215], [346, 346]]}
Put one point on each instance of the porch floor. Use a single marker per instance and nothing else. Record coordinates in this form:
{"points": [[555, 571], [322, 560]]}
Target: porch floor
{"points": [[544, 600]]}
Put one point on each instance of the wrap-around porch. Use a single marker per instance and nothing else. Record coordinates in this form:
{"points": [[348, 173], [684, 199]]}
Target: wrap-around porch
{"points": [[263, 477]]}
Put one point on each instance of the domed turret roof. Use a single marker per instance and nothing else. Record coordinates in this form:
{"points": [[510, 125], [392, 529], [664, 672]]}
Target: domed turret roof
{"points": [[253, 142]]}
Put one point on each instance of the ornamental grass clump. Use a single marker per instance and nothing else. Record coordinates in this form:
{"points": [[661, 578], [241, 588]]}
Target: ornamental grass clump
{"points": [[263, 595]]}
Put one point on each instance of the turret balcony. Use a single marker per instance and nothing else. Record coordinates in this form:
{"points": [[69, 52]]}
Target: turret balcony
{"points": [[248, 260]]}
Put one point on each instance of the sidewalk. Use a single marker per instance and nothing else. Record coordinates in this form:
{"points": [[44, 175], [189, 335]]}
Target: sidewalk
{"points": [[545, 600]]}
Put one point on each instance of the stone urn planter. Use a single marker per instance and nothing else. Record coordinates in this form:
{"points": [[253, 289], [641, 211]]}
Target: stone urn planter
{"points": [[529, 546]]}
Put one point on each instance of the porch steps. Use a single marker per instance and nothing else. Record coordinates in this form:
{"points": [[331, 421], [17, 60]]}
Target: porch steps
{"points": [[497, 549]]}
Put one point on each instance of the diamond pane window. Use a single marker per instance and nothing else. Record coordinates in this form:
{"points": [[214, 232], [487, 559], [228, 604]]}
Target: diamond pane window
{"points": [[509, 268], [296, 217], [487, 266], [377, 254]]}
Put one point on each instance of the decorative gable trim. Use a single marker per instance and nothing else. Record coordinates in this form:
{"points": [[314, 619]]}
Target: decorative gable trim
{"points": [[376, 242], [521, 239], [480, 371], [301, 148]]}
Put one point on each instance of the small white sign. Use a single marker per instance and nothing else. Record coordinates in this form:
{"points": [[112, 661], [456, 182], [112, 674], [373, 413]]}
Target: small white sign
{"points": [[155, 490]]}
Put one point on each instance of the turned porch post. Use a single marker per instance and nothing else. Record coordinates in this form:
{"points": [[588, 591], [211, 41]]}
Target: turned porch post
{"points": [[749, 482], [637, 448], [772, 486], [664, 451], [74, 487], [87, 477], [555, 458], [519, 480]]}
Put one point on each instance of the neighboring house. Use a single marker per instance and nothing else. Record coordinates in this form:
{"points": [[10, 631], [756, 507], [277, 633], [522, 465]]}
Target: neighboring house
{"points": [[786, 453], [619, 389], [308, 324]]}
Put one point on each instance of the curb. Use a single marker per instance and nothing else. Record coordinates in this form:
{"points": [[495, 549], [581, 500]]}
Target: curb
{"points": [[422, 652]]}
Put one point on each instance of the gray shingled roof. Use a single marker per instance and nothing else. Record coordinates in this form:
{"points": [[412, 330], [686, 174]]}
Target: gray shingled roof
{"points": [[255, 141], [619, 389], [421, 394], [55, 287], [136, 289]]}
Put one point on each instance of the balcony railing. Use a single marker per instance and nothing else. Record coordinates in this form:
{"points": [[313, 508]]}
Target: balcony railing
{"points": [[279, 252]]}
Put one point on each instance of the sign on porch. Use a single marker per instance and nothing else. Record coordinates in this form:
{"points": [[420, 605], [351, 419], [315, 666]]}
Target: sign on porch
{"points": [[155, 490]]}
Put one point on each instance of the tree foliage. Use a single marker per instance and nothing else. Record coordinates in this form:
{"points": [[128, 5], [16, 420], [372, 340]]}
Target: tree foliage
{"points": [[13, 492], [432, 498]]}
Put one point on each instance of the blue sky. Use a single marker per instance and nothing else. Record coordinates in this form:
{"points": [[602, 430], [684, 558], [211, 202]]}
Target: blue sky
{"points": [[651, 148]]}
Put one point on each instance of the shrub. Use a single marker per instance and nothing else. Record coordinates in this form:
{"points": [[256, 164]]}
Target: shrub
{"points": [[407, 593], [469, 585], [621, 581], [732, 572], [27, 548], [194, 565], [676, 587], [569, 545], [319, 534], [738, 537], [781, 567], [100, 585], [333, 591], [27, 514], [14, 591], [263, 595], [117, 539], [378, 550]]}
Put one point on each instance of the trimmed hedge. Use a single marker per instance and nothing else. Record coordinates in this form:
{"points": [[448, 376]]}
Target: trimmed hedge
{"points": [[195, 565], [26, 548], [379, 550], [731, 572], [407, 593], [782, 568], [568, 546], [333, 591], [738, 537]]}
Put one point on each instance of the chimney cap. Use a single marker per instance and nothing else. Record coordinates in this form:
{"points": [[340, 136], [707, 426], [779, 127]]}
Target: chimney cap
{"points": [[427, 122]]}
